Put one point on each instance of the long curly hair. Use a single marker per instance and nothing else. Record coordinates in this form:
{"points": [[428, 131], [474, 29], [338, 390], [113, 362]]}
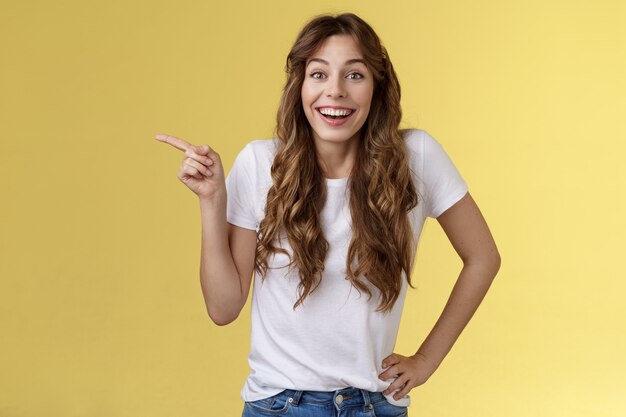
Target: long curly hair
{"points": [[381, 188]]}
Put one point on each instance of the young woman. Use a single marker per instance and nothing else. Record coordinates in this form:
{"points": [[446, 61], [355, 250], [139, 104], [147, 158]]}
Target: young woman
{"points": [[328, 214]]}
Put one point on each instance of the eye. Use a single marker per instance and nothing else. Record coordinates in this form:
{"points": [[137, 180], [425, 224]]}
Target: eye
{"points": [[313, 75], [357, 73]]}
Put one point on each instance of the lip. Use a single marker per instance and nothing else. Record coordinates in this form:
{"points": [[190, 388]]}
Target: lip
{"points": [[334, 122]]}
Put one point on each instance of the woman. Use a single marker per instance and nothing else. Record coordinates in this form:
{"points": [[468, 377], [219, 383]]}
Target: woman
{"points": [[328, 211]]}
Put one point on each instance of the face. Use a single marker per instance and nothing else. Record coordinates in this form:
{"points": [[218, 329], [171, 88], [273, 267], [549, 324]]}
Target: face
{"points": [[337, 82]]}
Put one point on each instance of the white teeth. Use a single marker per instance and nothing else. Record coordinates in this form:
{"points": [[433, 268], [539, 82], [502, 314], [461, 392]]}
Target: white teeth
{"points": [[335, 112]]}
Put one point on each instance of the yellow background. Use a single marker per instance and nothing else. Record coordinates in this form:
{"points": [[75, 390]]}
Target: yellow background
{"points": [[101, 308]]}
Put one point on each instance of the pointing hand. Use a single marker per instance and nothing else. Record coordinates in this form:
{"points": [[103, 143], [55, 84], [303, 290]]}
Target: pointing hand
{"points": [[201, 170]]}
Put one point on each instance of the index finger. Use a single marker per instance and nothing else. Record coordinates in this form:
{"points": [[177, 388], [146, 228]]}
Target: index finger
{"points": [[174, 141]]}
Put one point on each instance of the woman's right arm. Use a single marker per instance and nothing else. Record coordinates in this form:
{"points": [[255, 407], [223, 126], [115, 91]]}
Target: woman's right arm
{"points": [[227, 255], [226, 263]]}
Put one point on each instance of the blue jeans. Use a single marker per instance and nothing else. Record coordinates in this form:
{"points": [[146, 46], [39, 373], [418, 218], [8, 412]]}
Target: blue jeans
{"points": [[346, 402]]}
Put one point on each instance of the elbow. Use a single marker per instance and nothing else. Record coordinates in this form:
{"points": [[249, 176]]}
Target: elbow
{"points": [[221, 322], [222, 319], [489, 264], [495, 262]]}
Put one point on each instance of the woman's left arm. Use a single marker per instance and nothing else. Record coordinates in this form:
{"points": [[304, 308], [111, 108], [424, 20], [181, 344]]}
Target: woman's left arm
{"points": [[469, 234]]}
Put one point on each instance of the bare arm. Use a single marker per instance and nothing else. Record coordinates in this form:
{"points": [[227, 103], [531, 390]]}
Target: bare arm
{"points": [[227, 255], [227, 261], [469, 234]]}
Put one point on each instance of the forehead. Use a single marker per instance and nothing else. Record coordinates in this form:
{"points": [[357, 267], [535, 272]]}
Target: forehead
{"points": [[338, 48]]}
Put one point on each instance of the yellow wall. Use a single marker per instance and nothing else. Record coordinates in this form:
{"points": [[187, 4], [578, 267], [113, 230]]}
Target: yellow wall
{"points": [[101, 308]]}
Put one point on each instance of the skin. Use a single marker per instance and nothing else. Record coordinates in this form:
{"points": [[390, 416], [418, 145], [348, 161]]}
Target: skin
{"points": [[462, 223], [469, 234], [336, 82], [227, 254]]}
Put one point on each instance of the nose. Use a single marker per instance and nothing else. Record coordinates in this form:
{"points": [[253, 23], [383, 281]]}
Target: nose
{"points": [[335, 88]]}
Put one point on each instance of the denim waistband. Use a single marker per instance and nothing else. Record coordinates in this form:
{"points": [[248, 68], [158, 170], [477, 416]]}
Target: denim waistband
{"points": [[346, 396]]}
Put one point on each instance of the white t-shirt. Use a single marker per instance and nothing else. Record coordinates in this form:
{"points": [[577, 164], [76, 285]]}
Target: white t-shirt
{"points": [[335, 338]]}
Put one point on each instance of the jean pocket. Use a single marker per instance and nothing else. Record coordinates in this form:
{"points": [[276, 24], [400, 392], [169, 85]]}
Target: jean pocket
{"points": [[384, 408], [276, 404]]}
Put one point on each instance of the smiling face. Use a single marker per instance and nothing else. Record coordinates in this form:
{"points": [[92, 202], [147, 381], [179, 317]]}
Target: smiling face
{"points": [[337, 82]]}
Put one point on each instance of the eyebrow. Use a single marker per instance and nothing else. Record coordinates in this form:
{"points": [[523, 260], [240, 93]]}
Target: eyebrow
{"points": [[348, 62]]}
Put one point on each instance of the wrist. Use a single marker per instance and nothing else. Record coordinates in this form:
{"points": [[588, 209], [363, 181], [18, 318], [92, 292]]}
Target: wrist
{"points": [[427, 360], [215, 200]]}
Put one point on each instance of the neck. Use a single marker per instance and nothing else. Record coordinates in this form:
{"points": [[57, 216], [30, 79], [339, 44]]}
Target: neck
{"points": [[337, 158]]}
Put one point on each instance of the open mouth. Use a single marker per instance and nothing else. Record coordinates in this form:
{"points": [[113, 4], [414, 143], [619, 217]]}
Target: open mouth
{"points": [[335, 117], [330, 116]]}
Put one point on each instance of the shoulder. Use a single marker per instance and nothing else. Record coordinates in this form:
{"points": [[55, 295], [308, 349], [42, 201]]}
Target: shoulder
{"points": [[414, 141], [257, 153], [260, 149], [263, 145], [256, 158], [422, 145], [417, 138]]}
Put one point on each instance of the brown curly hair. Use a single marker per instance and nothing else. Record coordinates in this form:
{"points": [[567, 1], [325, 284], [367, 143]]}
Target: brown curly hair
{"points": [[381, 187]]}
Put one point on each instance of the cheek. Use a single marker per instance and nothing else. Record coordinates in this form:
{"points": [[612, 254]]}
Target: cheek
{"points": [[306, 106], [308, 96], [364, 95], [305, 90], [365, 101], [306, 102]]}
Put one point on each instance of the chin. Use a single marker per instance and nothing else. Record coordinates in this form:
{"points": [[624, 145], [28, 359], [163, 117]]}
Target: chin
{"points": [[336, 136]]}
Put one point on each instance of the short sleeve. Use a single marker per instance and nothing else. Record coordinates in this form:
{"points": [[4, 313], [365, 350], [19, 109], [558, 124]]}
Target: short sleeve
{"points": [[240, 190], [443, 183]]}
